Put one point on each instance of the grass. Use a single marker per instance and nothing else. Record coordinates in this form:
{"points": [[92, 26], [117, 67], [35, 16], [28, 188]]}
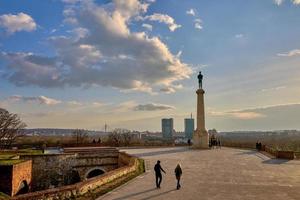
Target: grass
{"points": [[11, 157], [4, 196], [10, 162]]}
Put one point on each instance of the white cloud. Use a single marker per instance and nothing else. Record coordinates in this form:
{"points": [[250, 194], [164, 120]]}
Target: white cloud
{"points": [[198, 26], [278, 2], [296, 2], [168, 90], [247, 115], [239, 35], [191, 12], [14, 23], [152, 107], [74, 103], [120, 58], [244, 115], [40, 100], [147, 26], [163, 18], [294, 52], [273, 89], [97, 104]]}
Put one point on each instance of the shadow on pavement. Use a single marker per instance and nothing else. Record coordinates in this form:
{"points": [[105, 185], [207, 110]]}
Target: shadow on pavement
{"points": [[275, 161], [156, 195], [155, 153], [129, 196], [248, 152], [134, 194]]}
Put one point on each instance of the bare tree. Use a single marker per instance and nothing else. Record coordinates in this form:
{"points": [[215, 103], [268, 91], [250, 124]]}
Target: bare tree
{"points": [[120, 137], [80, 136], [114, 139], [127, 138], [11, 127]]}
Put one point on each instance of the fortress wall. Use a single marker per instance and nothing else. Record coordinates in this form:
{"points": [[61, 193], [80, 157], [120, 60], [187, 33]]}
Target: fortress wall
{"points": [[134, 166], [49, 170], [52, 170]]}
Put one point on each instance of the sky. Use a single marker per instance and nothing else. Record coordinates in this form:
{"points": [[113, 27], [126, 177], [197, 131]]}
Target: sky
{"points": [[130, 63]]}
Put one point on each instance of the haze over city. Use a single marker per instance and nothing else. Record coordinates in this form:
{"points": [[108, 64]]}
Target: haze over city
{"points": [[137, 62]]}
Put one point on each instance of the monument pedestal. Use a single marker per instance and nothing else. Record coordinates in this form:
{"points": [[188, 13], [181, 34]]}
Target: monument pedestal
{"points": [[200, 136], [200, 139]]}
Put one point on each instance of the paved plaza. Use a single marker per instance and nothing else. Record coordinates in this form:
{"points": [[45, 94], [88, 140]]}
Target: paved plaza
{"points": [[218, 174]]}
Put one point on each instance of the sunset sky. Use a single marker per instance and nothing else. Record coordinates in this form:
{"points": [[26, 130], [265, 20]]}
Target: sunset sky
{"points": [[129, 63]]}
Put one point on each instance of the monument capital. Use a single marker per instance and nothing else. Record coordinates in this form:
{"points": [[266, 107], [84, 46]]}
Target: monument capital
{"points": [[200, 91]]}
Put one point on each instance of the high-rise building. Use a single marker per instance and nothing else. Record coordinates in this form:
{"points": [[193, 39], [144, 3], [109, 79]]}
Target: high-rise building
{"points": [[189, 127], [167, 128]]}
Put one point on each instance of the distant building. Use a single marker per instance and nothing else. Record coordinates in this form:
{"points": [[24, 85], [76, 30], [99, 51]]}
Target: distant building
{"points": [[189, 127], [167, 128]]}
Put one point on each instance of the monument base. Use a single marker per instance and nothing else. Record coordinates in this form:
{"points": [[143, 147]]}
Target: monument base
{"points": [[200, 139]]}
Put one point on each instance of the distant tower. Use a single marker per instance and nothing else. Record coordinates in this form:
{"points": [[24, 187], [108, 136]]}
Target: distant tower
{"points": [[105, 128], [167, 128], [189, 127]]}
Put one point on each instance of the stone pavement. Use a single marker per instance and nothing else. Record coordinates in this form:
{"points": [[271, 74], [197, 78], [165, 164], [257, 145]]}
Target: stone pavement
{"points": [[218, 174]]}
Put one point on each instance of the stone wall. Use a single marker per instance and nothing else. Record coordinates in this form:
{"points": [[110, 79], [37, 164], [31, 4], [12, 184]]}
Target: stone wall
{"points": [[134, 166], [49, 170], [55, 170]]}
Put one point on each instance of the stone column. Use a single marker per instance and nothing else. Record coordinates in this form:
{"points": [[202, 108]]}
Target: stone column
{"points": [[200, 137]]}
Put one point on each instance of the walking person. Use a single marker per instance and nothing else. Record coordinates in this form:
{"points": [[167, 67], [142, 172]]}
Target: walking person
{"points": [[178, 173], [158, 176]]}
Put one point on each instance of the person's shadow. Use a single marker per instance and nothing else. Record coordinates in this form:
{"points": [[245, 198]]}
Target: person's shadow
{"points": [[129, 196]]}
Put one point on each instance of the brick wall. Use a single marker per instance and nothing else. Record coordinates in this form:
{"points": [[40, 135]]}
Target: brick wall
{"points": [[21, 172]]}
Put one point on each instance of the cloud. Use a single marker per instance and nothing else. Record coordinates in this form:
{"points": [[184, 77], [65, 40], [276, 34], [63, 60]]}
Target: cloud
{"points": [[198, 26], [239, 36], [40, 100], [147, 26], [197, 20], [270, 117], [291, 53], [191, 12], [168, 90], [254, 113], [273, 89], [98, 104], [152, 107], [296, 2], [244, 115], [20, 22], [278, 2], [74, 103], [163, 18], [120, 58]]}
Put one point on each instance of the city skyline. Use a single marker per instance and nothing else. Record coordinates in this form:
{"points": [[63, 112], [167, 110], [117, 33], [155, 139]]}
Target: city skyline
{"points": [[130, 63]]}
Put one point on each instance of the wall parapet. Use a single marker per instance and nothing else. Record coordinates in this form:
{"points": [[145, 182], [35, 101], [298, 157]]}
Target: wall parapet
{"points": [[129, 165]]}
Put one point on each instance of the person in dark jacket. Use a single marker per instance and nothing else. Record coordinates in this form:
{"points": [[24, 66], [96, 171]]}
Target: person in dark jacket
{"points": [[158, 176], [178, 173]]}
